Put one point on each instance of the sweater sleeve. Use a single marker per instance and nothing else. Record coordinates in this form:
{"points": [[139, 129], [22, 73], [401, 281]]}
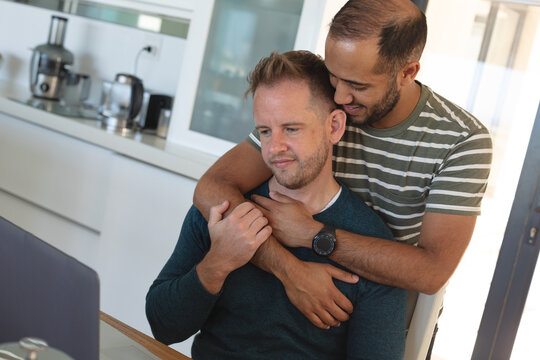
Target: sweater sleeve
{"points": [[377, 324], [177, 304]]}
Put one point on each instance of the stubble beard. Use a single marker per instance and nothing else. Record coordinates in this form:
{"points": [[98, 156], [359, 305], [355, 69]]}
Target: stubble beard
{"points": [[307, 171], [381, 109]]}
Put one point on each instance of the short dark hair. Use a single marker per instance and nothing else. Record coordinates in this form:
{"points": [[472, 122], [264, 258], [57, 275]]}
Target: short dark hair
{"points": [[298, 65], [400, 27]]}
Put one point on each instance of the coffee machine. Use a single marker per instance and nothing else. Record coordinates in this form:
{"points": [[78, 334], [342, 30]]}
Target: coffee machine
{"points": [[49, 61]]}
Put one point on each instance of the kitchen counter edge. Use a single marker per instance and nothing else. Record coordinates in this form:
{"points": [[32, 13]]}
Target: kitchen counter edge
{"points": [[146, 148]]}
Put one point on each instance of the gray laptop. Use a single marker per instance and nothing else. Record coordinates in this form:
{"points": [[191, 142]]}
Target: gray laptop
{"points": [[47, 294]]}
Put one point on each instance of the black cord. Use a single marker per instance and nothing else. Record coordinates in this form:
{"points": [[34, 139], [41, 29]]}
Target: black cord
{"points": [[148, 49]]}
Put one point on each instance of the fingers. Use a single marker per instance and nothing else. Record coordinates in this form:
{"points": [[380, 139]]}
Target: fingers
{"points": [[342, 275], [315, 320], [254, 220], [263, 234], [260, 230], [280, 197], [336, 310], [263, 201], [328, 319], [241, 210], [216, 212], [245, 213], [337, 307], [262, 209], [250, 220], [268, 203], [343, 309], [344, 306], [324, 320]]}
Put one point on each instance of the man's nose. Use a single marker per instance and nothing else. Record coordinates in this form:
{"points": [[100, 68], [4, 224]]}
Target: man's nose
{"points": [[343, 95], [277, 144]]}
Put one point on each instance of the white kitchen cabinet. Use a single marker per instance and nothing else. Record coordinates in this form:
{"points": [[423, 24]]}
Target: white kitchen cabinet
{"points": [[145, 210], [53, 171], [225, 41]]}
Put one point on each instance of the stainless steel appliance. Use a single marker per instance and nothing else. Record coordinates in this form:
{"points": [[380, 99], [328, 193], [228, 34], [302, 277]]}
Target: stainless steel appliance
{"points": [[48, 65], [163, 123], [76, 89], [121, 101], [141, 118]]}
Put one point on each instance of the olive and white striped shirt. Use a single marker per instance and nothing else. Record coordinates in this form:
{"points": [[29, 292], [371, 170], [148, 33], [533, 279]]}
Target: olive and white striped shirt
{"points": [[437, 160]]}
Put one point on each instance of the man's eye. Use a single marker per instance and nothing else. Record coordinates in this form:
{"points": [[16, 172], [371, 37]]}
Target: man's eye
{"points": [[291, 130], [264, 132]]}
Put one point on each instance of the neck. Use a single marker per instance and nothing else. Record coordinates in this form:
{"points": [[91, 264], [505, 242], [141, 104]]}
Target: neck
{"points": [[409, 97], [315, 195]]}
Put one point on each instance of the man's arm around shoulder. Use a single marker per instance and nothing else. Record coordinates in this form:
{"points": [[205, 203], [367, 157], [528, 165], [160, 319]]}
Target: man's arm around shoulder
{"points": [[241, 169]]}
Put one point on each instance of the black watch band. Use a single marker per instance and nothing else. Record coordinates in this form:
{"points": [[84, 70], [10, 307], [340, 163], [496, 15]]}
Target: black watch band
{"points": [[324, 243]]}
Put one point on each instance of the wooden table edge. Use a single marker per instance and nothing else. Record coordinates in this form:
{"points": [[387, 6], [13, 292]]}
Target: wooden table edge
{"points": [[155, 347]]}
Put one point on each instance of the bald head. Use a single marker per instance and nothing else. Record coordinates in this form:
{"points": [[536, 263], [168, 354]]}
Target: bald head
{"points": [[399, 26]]}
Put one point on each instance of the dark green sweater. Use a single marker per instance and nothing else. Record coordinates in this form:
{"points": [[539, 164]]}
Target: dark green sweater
{"points": [[252, 318]]}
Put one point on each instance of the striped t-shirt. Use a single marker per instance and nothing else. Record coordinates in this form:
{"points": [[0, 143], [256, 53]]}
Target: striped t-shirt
{"points": [[436, 160]]}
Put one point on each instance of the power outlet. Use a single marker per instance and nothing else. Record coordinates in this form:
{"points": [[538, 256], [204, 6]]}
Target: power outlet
{"points": [[153, 51], [154, 42]]}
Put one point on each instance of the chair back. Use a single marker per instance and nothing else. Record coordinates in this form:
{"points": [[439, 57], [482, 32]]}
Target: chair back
{"points": [[422, 324]]}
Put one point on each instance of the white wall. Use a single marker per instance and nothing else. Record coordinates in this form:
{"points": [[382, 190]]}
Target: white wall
{"points": [[100, 49]]}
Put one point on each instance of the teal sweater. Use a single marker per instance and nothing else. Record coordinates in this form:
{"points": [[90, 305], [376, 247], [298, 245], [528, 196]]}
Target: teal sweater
{"points": [[252, 318]]}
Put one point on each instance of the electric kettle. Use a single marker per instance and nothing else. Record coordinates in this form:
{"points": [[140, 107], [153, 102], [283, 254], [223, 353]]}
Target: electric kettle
{"points": [[121, 101]]}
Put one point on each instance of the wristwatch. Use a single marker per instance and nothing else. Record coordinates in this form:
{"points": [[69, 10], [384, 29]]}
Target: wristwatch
{"points": [[324, 242]]}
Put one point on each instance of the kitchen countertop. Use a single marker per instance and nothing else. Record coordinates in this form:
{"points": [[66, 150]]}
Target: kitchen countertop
{"points": [[147, 148]]}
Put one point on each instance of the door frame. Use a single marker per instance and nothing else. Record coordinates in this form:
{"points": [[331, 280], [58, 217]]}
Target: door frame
{"points": [[516, 263]]}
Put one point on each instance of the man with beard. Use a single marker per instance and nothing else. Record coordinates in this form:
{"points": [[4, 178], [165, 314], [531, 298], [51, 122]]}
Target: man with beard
{"points": [[418, 160], [242, 311]]}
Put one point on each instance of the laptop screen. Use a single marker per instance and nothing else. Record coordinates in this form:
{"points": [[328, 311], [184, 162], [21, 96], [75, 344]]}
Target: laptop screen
{"points": [[47, 294]]}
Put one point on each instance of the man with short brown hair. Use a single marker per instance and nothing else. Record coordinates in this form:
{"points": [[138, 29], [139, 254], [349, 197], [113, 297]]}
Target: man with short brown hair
{"points": [[243, 312]]}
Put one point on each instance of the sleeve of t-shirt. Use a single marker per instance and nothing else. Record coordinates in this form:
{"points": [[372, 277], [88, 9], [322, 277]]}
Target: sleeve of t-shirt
{"points": [[461, 181], [254, 139], [177, 304], [377, 324]]}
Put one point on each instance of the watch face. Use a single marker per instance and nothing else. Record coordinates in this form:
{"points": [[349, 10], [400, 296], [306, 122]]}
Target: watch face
{"points": [[323, 244]]}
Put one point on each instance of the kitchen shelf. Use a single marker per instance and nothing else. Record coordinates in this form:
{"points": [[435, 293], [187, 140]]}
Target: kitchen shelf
{"points": [[158, 16]]}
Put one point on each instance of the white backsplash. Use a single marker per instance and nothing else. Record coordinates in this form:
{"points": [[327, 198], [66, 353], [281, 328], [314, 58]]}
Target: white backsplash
{"points": [[100, 49]]}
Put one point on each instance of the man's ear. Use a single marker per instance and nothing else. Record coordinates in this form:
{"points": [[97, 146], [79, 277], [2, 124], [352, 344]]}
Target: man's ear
{"points": [[338, 118], [408, 73]]}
